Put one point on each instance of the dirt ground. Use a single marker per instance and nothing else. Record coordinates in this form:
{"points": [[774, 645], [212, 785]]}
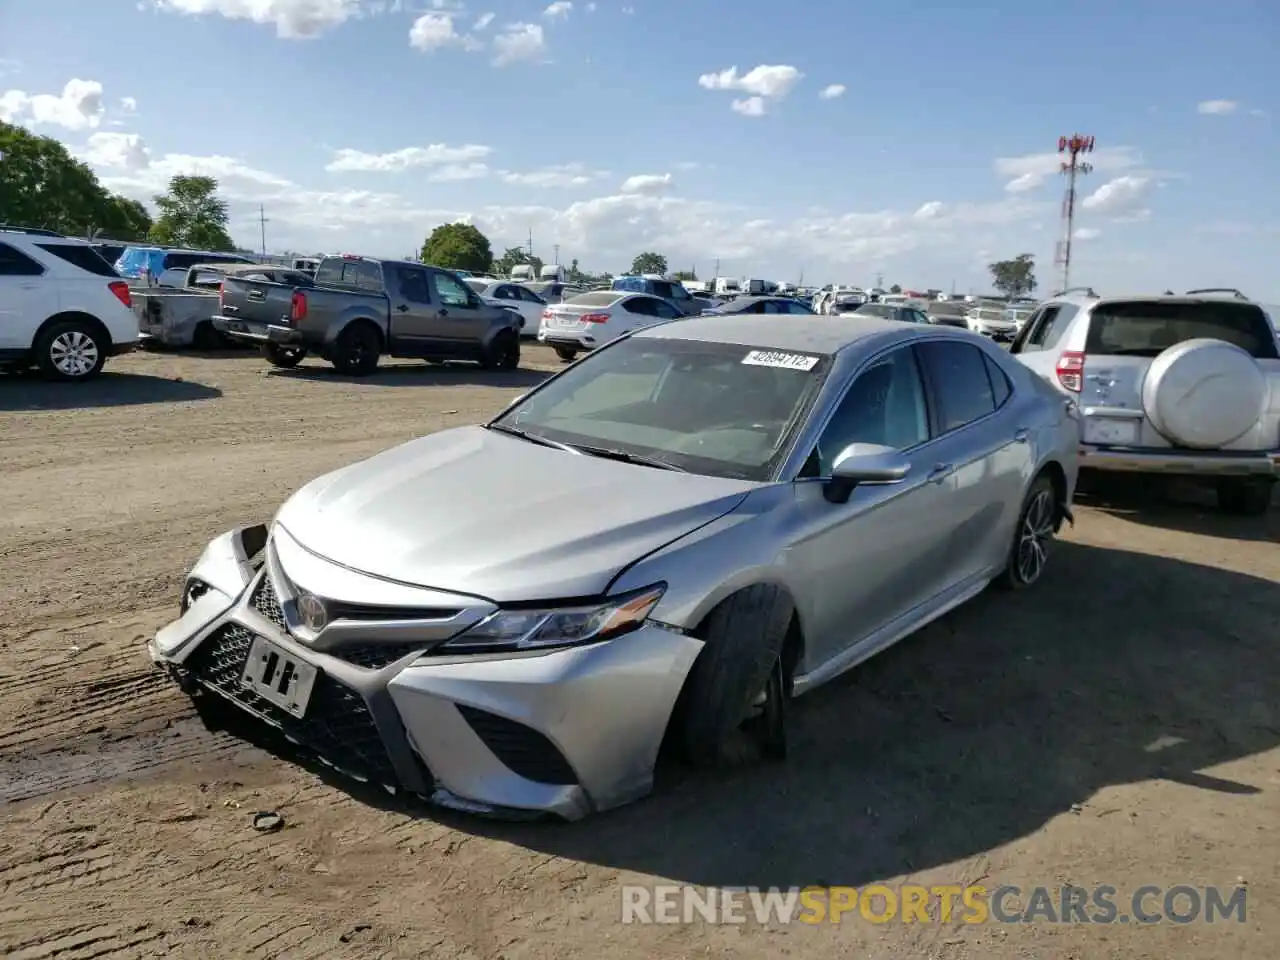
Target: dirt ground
{"points": [[1120, 725]]}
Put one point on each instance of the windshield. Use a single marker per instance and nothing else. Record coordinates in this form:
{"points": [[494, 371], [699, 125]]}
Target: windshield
{"points": [[1148, 329], [712, 408]]}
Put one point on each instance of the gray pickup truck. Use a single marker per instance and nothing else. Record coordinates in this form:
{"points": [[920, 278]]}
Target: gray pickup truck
{"points": [[359, 309]]}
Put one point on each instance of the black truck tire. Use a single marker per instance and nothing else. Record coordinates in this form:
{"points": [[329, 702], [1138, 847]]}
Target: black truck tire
{"points": [[283, 356], [1245, 496], [357, 349], [503, 352], [743, 642]]}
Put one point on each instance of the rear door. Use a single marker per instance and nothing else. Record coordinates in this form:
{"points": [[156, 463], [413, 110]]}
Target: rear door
{"points": [[27, 299], [415, 317]]}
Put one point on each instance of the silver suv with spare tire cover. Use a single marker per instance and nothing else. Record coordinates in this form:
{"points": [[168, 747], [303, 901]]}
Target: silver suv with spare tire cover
{"points": [[1185, 386]]}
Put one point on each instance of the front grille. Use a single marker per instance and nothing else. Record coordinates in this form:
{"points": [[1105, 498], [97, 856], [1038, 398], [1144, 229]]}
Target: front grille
{"points": [[338, 725], [375, 656], [524, 750], [266, 602]]}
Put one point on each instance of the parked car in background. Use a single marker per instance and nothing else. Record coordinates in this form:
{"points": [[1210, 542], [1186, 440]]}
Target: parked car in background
{"points": [[513, 296], [774, 305], [990, 319], [179, 310], [901, 312], [1183, 386], [139, 263], [554, 291], [63, 309], [741, 511], [362, 308], [672, 291], [594, 319], [948, 313]]}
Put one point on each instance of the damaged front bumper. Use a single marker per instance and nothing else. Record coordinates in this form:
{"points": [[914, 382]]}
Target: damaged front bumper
{"points": [[565, 732]]}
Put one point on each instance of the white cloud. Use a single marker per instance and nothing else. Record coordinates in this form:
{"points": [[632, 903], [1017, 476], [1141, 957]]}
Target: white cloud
{"points": [[560, 8], [648, 184], [453, 172], [1028, 172], [628, 10], [517, 42], [771, 81], [1086, 233], [749, 106], [118, 151], [1122, 198], [930, 211], [435, 31], [128, 104], [78, 107], [293, 19], [590, 8], [483, 21], [831, 91], [347, 160], [561, 175], [1217, 106]]}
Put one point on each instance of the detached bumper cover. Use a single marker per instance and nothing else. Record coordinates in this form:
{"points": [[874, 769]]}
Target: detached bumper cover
{"points": [[565, 732]]}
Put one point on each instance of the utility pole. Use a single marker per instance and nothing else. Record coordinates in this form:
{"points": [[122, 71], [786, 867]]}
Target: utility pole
{"points": [[557, 250], [717, 269], [1071, 148], [879, 281], [262, 227], [530, 246]]}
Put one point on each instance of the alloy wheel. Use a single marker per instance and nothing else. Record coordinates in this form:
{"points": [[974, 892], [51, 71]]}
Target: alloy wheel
{"points": [[73, 353], [1034, 537]]}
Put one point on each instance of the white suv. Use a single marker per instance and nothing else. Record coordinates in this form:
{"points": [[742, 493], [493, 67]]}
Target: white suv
{"points": [[62, 307]]}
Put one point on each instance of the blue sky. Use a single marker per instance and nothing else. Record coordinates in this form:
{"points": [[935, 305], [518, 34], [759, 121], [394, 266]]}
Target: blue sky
{"points": [[609, 128]]}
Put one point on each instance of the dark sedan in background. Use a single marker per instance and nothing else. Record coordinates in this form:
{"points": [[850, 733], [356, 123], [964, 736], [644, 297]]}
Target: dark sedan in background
{"points": [[763, 305]]}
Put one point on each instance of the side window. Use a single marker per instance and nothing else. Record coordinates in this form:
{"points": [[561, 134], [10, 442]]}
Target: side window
{"points": [[660, 289], [1000, 387], [798, 308], [84, 257], [765, 306], [368, 276], [15, 263], [1054, 327], [665, 310], [884, 405], [450, 291], [413, 285], [678, 292], [529, 296], [504, 293], [641, 306], [958, 374]]}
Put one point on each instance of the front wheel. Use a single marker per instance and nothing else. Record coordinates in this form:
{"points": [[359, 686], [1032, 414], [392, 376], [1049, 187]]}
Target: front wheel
{"points": [[1245, 496], [71, 350], [356, 350], [1037, 524], [503, 353], [286, 358], [567, 354]]}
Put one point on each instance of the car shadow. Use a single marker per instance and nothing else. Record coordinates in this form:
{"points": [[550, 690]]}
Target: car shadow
{"points": [[1174, 505], [1016, 708], [413, 375], [27, 391]]}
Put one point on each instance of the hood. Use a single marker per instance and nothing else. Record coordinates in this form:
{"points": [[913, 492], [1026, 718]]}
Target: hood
{"points": [[476, 512]]}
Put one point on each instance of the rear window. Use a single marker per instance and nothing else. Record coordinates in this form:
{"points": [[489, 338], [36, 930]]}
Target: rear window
{"points": [[601, 299], [79, 255], [1147, 329], [356, 274]]}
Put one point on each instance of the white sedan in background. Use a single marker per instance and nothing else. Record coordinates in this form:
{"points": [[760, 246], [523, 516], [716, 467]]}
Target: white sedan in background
{"points": [[513, 296], [593, 319]]}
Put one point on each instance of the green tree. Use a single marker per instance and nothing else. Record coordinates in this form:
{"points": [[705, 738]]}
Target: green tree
{"points": [[1016, 277], [895, 289], [41, 185], [458, 246], [649, 262], [514, 257], [683, 275], [574, 272], [192, 215]]}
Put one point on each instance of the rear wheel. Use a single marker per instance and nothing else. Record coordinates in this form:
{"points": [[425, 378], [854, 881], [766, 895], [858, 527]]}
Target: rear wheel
{"points": [[738, 682], [567, 354], [1032, 538], [206, 337], [284, 357], [1245, 496], [71, 350], [356, 350], [503, 352]]}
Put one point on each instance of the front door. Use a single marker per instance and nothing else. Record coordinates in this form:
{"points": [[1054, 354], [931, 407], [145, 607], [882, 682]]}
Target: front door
{"points": [[462, 318], [414, 317], [874, 558]]}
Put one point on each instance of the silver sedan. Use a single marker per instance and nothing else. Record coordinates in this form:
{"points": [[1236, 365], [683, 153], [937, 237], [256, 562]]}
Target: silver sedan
{"points": [[731, 512]]}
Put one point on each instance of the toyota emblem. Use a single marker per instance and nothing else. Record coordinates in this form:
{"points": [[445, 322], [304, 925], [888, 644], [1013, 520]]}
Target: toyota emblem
{"points": [[311, 612]]}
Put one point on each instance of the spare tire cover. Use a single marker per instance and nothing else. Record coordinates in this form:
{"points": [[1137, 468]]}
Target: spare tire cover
{"points": [[1204, 393]]}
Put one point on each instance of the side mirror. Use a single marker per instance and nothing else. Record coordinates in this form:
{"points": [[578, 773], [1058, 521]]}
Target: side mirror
{"points": [[864, 463]]}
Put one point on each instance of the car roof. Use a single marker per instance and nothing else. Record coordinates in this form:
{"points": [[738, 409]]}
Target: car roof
{"points": [[1083, 300], [812, 334]]}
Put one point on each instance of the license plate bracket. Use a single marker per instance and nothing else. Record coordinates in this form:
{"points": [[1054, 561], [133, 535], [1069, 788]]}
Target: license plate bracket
{"points": [[1111, 431], [279, 677]]}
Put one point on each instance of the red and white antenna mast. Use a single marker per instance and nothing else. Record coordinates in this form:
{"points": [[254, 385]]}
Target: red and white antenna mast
{"points": [[1071, 149]]}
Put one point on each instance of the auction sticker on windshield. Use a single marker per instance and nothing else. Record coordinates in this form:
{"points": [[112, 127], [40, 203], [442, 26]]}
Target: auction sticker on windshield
{"points": [[775, 358]]}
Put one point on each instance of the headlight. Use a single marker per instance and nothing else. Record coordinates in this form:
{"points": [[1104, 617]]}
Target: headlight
{"points": [[556, 627]]}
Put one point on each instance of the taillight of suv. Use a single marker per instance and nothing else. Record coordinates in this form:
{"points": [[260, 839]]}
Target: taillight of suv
{"points": [[1070, 371], [121, 290]]}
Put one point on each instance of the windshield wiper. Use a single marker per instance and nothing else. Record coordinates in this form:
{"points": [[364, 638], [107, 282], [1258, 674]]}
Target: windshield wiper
{"points": [[531, 437], [623, 456]]}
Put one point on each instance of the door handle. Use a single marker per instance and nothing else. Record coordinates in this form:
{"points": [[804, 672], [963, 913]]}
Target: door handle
{"points": [[403, 308], [443, 312], [940, 472], [1021, 435]]}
